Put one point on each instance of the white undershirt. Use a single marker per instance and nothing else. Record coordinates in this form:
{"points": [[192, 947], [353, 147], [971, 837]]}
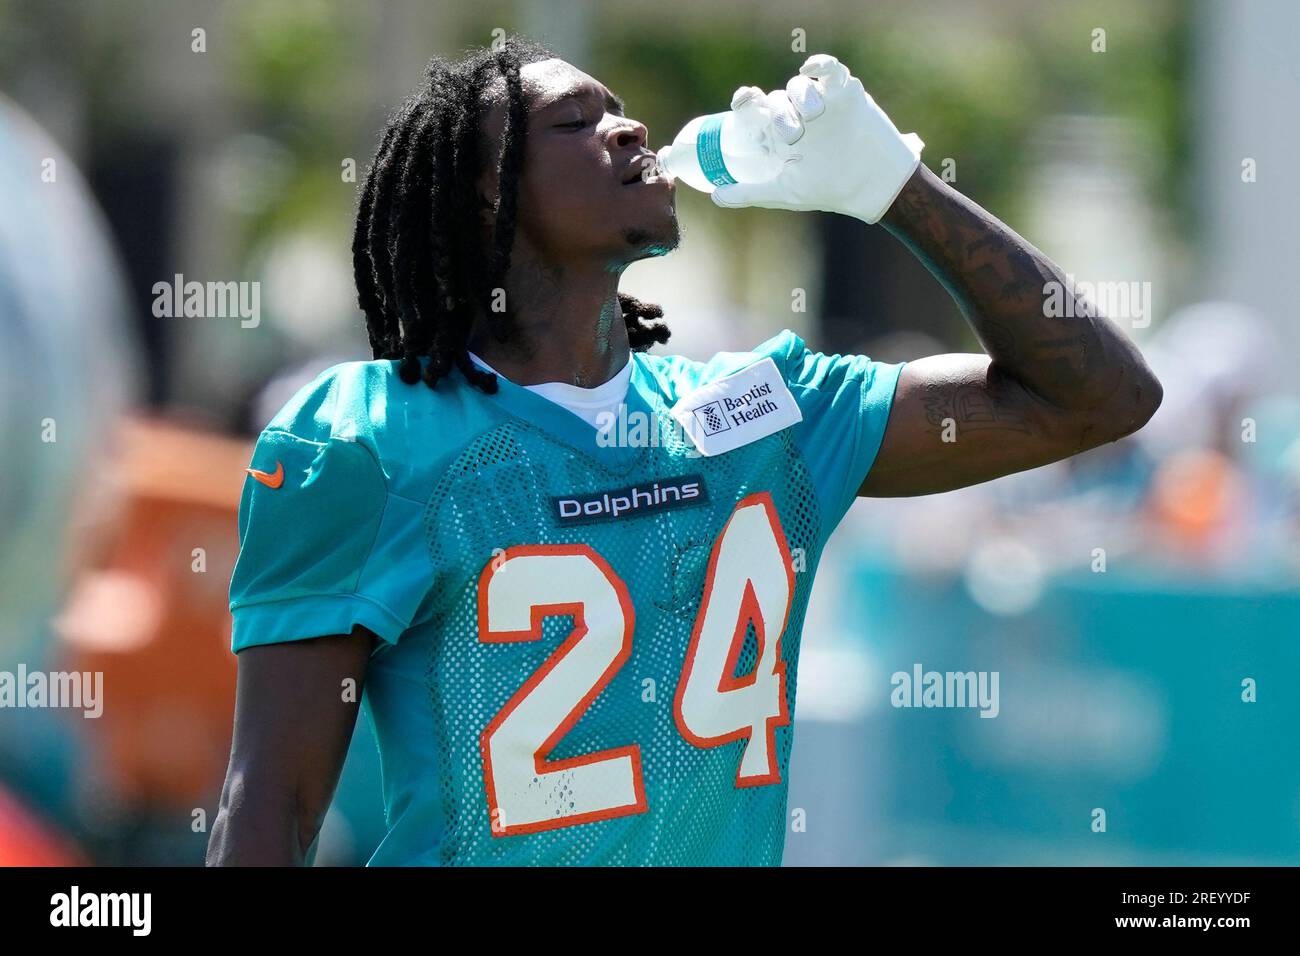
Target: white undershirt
{"points": [[586, 403]]}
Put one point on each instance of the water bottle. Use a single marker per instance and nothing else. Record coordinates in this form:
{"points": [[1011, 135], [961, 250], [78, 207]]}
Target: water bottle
{"points": [[725, 148]]}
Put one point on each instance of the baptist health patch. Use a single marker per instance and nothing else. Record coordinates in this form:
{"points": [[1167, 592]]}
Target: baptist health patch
{"points": [[741, 408]]}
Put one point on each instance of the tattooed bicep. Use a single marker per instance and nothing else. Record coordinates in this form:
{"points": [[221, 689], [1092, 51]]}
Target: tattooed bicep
{"points": [[957, 420]]}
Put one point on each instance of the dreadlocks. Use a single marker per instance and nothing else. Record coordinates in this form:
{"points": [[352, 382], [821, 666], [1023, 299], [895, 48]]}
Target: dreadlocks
{"points": [[418, 286]]}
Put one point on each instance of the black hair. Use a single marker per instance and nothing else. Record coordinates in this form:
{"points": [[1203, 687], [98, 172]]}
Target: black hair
{"points": [[418, 281]]}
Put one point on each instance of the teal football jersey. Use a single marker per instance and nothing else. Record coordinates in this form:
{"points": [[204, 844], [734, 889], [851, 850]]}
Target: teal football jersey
{"points": [[589, 638]]}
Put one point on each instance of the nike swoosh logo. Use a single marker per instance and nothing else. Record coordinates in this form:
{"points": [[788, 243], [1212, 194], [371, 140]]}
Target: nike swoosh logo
{"points": [[271, 480]]}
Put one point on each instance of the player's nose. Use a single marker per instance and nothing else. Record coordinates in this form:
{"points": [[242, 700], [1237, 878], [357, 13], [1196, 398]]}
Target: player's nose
{"points": [[628, 134]]}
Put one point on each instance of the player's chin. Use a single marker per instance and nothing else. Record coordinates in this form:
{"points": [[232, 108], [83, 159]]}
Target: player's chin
{"points": [[656, 236]]}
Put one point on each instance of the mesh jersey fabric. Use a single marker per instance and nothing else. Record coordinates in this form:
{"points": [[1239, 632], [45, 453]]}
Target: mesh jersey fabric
{"points": [[397, 500]]}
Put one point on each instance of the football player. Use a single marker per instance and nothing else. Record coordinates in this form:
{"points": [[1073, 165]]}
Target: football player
{"points": [[571, 575]]}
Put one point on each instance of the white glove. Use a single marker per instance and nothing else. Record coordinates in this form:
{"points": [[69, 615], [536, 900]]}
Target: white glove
{"points": [[845, 155]]}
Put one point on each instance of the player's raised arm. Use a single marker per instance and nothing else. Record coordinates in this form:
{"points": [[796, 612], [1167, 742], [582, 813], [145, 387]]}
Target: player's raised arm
{"points": [[292, 730], [1054, 381], [1051, 385]]}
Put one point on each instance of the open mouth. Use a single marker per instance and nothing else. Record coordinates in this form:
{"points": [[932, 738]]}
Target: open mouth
{"points": [[643, 169]]}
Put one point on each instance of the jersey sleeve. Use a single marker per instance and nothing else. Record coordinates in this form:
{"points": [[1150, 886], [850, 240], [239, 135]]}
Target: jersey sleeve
{"points": [[845, 401], [323, 545]]}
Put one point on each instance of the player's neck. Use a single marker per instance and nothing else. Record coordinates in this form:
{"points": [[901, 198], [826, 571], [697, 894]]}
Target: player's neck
{"points": [[568, 326]]}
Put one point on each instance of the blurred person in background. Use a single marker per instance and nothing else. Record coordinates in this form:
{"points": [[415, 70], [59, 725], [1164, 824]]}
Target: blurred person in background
{"points": [[1218, 491], [68, 371]]}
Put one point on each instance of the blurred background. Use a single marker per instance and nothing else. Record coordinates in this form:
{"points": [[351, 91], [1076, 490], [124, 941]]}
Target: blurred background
{"points": [[1140, 603]]}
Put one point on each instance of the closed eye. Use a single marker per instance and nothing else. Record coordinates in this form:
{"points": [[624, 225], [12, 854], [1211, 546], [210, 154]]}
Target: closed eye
{"points": [[575, 124]]}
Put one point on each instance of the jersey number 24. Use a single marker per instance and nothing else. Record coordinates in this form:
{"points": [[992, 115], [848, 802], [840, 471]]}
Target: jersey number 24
{"points": [[750, 579]]}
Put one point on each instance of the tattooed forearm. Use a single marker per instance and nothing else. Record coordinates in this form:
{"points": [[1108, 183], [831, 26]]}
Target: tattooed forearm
{"points": [[1073, 358]]}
